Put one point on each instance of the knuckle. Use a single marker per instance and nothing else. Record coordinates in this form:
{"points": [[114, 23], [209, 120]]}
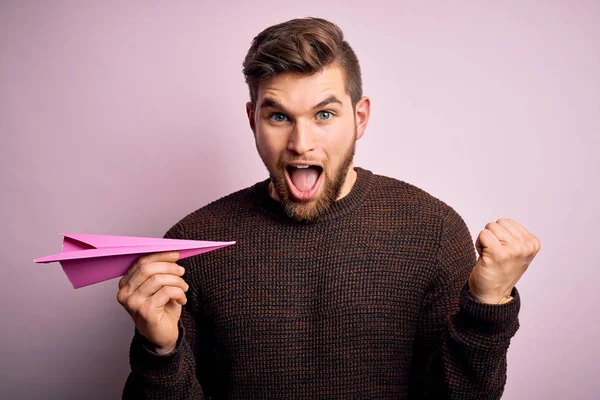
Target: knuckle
{"points": [[142, 260], [165, 290], [144, 310], [516, 250], [145, 269], [130, 303], [155, 279], [536, 241], [137, 264], [121, 297]]}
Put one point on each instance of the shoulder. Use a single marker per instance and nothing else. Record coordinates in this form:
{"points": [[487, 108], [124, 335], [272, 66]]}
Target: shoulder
{"points": [[408, 198], [417, 207]]}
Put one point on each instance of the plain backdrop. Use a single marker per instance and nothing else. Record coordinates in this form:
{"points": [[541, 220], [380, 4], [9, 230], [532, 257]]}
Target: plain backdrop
{"points": [[123, 117]]}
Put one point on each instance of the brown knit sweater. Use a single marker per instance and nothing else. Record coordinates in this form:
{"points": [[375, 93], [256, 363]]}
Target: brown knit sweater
{"points": [[369, 302]]}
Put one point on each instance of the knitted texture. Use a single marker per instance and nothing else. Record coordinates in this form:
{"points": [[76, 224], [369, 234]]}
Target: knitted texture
{"points": [[368, 302]]}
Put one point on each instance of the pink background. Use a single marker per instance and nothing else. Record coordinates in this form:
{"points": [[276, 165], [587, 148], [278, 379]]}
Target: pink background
{"points": [[122, 118]]}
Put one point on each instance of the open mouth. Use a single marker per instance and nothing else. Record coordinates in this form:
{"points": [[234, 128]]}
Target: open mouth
{"points": [[303, 180]]}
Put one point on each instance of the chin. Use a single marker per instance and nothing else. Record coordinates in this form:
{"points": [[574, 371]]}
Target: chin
{"points": [[302, 212], [307, 210]]}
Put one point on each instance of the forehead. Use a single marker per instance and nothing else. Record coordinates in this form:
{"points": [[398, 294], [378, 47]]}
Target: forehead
{"points": [[294, 90]]}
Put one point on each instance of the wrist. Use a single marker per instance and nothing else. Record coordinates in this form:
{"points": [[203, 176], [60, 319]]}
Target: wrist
{"points": [[500, 297], [506, 299], [162, 351], [487, 320], [489, 299]]}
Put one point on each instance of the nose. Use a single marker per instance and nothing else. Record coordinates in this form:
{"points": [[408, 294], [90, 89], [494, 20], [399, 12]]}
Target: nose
{"points": [[301, 140]]}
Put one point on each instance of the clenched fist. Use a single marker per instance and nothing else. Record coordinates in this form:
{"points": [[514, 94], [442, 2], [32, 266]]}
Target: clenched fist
{"points": [[153, 292], [505, 251]]}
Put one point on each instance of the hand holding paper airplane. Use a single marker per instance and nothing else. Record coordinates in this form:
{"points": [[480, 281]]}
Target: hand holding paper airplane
{"points": [[152, 292], [89, 259]]}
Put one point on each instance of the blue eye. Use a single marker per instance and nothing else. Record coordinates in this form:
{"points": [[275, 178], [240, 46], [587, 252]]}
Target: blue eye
{"points": [[326, 115], [278, 117]]}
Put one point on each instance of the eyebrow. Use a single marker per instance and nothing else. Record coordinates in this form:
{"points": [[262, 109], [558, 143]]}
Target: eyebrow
{"points": [[270, 103]]}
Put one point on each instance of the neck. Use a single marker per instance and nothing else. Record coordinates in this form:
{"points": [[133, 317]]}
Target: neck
{"points": [[348, 182]]}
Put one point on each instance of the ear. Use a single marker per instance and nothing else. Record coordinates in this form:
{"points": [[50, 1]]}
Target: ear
{"points": [[250, 113], [363, 111]]}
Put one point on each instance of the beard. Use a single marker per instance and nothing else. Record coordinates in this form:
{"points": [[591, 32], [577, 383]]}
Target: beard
{"points": [[308, 211]]}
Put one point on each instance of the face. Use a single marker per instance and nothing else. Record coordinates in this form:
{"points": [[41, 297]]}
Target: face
{"points": [[305, 131]]}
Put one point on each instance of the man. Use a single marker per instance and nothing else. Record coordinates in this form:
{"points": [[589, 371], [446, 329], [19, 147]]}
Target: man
{"points": [[342, 284]]}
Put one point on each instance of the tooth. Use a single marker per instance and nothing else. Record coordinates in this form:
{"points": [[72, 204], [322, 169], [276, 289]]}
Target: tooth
{"points": [[301, 166]]}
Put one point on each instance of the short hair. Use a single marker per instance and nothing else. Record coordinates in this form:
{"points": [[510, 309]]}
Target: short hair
{"points": [[305, 46]]}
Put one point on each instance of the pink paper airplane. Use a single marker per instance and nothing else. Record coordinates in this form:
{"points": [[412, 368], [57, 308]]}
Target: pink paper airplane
{"points": [[89, 259]]}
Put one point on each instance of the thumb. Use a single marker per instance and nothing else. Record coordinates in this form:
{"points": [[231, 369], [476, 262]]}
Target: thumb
{"points": [[173, 307]]}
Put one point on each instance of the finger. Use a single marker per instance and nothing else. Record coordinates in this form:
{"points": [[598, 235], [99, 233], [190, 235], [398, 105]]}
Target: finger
{"points": [[122, 296], [166, 294], [478, 245], [525, 233], [487, 239], [503, 235], [145, 271], [130, 302], [511, 226], [171, 256], [172, 306], [529, 237], [156, 281]]}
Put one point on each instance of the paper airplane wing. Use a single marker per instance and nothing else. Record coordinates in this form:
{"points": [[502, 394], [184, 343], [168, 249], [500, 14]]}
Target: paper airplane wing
{"points": [[88, 259]]}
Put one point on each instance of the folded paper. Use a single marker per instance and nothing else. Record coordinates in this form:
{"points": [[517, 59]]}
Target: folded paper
{"points": [[88, 259]]}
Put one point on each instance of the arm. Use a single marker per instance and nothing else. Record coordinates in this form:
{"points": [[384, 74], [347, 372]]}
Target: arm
{"points": [[172, 375], [461, 344]]}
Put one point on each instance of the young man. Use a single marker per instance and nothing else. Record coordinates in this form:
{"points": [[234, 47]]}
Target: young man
{"points": [[342, 284]]}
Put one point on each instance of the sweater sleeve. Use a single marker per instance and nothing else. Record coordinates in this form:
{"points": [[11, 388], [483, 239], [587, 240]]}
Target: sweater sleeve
{"points": [[461, 343], [172, 376]]}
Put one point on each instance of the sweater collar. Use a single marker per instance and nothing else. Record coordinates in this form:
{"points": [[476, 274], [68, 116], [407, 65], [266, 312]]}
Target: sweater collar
{"points": [[350, 202]]}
